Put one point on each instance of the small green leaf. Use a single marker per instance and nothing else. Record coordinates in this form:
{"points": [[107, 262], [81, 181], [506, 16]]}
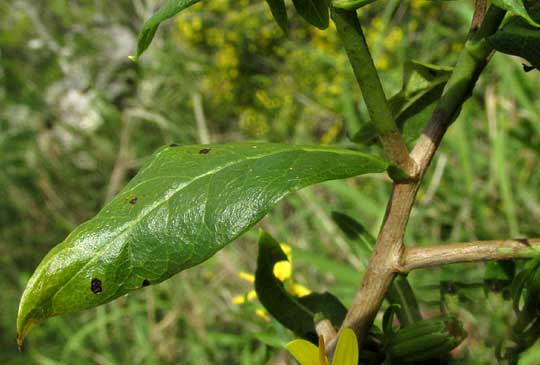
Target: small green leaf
{"points": [[359, 239], [388, 319], [271, 293], [519, 38], [327, 304], [499, 274], [183, 206], [516, 7], [297, 314], [149, 28], [350, 4], [314, 12], [422, 86], [428, 339], [279, 11]]}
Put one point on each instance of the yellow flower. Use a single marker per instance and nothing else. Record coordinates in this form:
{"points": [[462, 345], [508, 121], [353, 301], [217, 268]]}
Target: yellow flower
{"points": [[283, 272], [246, 276], [283, 269], [241, 299], [298, 290], [262, 313], [308, 354]]}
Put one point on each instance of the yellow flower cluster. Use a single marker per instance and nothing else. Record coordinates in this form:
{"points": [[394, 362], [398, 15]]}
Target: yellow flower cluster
{"points": [[275, 84], [385, 45], [253, 123]]}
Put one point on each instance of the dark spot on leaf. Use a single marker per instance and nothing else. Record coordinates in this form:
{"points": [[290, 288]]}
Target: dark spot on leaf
{"points": [[146, 282], [95, 286], [173, 145], [133, 200], [204, 151]]}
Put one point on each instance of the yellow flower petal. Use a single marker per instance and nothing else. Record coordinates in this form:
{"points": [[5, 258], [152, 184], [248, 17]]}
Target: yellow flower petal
{"points": [[323, 360], [286, 249], [246, 276], [304, 352], [262, 313], [298, 290], [238, 299], [346, 349], [282, 270], [251, 295]]}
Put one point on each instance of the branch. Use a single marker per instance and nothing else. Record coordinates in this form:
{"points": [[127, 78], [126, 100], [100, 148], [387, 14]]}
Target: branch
{"points": [[325, 329], [472, 61], [387, 253], [436, 255], [351, 35], [480, 7]]}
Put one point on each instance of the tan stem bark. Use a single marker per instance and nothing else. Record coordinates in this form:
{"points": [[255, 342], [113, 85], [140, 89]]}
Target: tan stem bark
{"points": [[386, 256], [436, 255]]}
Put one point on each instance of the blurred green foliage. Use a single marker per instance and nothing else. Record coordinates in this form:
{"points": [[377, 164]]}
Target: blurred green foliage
{"points": [[77, 119]]}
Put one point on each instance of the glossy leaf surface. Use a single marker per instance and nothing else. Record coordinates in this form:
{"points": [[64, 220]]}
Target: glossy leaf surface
{"points": [[170, 9], [182, 207], [314, 12]]}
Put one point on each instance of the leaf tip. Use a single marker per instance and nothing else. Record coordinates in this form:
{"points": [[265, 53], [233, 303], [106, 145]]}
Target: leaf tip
{"points": [[20, 340], [24, 326]]}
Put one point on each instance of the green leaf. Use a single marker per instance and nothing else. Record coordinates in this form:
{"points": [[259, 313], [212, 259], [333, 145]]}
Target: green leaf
{"points": [[314, 12], [271, 293], [422, 86], [279, 11], [183, 206], [149, 28], [327, 304], [499, 274], [426, 339], [350, 4], [359, 239], [519, 38], [516, 7], [297, 314], [388, 319]]}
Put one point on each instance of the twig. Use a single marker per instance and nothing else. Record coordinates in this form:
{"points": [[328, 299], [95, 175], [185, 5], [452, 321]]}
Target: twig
{"points": [[204, 136], [435, 255], [120, 168], [389, 247], [436, 179], [326, 329], [480, 7], [351, 35]]}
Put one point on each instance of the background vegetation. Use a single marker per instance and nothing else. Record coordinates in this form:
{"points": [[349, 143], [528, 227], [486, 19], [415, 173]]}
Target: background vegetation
{"points": [[77, 119]]}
